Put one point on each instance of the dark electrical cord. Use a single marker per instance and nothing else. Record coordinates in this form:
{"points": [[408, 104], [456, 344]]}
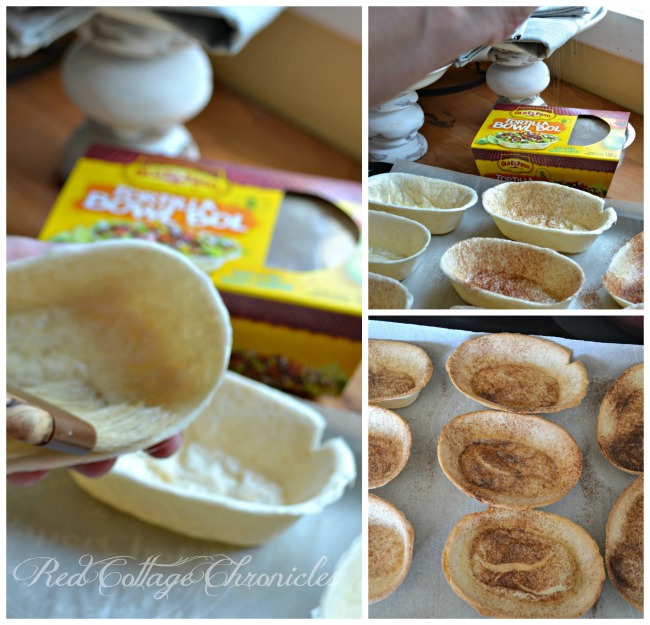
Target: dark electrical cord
{"points": [[38, 62], [424, 93]]}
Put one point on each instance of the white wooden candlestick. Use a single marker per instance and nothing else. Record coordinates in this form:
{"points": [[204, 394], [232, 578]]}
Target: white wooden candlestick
{"points": [[393, 126], [516, 76], [137, 83]]}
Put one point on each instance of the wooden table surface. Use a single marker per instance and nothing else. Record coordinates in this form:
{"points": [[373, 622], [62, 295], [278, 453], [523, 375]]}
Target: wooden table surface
{"points": [[40, 118], [452, 122]]}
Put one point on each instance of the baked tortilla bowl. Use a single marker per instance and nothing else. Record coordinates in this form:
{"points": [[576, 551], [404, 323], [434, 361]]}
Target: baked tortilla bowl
{"points": [[497, 273], [518, 373], [250, 465], [624, 277], [620, 422], [548, 215], [389, 445], [344, 598], [624, 544], [397, 372], [390, 548], [127, 335], [509, 460], [523, 564], [438, 205], [394, 244], [387, 293]]}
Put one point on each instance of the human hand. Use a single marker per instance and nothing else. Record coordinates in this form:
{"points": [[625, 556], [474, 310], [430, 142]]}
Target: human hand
{"points": [[163, 449], [407, 43], [25, 247]]}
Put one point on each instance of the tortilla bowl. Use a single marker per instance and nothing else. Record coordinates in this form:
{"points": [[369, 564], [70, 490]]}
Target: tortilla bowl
{"points": [[127, 335], [388, 293], [509, 460], [548, 214], [343, 598], [624, 544], [207, 250], [524, 140], [620, 421], [389, 445], [394, 244], [390, 548], [523, 564], [518, 373], [497, 273], [624, 277], [250, 465], [438, 205], [397, 372]]}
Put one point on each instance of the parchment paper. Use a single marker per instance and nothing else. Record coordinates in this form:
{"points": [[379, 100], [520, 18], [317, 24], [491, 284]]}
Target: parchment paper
{"points": [[432, 290], [55, 519], [434, 505]]}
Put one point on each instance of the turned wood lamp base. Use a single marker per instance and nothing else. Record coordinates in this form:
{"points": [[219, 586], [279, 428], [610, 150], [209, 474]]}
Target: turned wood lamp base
{"points": [[137, 83]]}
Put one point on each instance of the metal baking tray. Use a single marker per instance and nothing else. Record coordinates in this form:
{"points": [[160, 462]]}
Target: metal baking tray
{"points": [[434, 505], [432, 290]]}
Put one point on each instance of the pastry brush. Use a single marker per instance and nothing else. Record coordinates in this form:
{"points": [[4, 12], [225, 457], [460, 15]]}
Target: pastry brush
{"points": [[35, 421]]}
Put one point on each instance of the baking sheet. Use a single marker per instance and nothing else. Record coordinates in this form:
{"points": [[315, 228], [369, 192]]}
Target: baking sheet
{"points": [[56, 520], [434, 505], [432, 290]]}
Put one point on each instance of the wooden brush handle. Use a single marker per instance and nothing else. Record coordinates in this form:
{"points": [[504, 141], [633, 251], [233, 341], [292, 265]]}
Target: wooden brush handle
{"points": [[28, 423], [33, 420]]}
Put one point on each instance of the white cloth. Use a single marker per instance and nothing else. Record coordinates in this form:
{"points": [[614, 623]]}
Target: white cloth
{"points": [[546, 30], [221, 30], [32, 28], [227, 30]]}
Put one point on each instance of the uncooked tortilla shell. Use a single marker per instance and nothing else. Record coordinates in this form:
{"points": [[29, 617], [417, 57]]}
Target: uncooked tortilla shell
{"points": [[548, 214], [497, 273], [128, 335], [250, 465], [412, 191], [624, 277], [343, 599]]}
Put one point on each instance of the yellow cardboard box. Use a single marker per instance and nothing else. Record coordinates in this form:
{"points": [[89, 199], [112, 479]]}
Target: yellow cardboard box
{"points": [[580, 148], [299, 328]]}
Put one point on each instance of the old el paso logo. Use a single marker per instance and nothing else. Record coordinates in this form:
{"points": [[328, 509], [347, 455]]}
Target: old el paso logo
{"points": [[525, 113], [515, 164], [176, 176]]}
